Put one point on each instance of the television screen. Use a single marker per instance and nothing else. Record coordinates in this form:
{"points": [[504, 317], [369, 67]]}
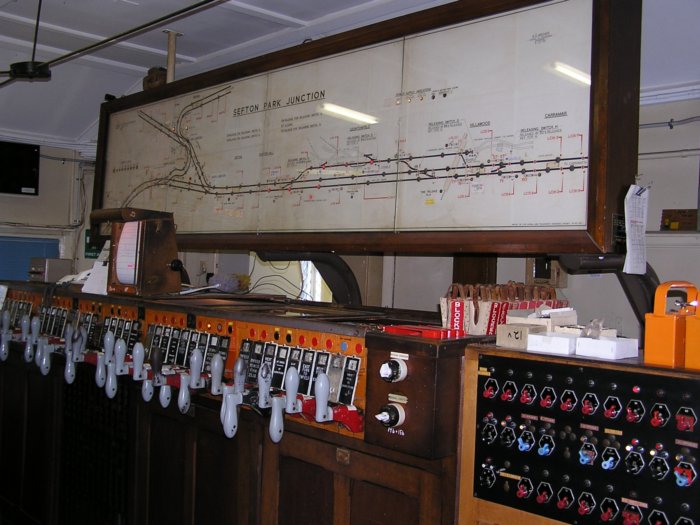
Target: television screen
{"points": [[19, 168]]}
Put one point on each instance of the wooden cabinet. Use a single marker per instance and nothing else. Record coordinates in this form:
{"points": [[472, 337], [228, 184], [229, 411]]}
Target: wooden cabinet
{"points": [[68, 454], [29, 446], [326, 479], [185, 471]]}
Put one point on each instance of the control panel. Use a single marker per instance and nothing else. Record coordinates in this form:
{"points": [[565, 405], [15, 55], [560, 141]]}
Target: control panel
{"points": [[413, 386], [587, 443]]}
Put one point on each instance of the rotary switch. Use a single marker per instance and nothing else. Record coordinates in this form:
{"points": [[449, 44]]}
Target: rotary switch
{"points": [[391, 415], [393, 371]]}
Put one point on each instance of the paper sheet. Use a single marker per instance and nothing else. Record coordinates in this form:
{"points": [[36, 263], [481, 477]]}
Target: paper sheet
{"points": [[636, 207], [127, 256]]}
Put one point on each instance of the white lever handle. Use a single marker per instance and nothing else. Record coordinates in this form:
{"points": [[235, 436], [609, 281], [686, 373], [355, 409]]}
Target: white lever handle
{"points": [[120, 355], [34, 327], [217, 371], [4, 345], [45, 363], [24, 326], [147, 390], [28, 350], [5, 321], [231, 402], [228, 389], [38, 353], [111, 383], [69, 370], [264, 382], [196, 358], [68, 336], [100, 372], [322, 390], [276, 429], [183, 397], [108, 345], [164, 395], [239, 373], [139, 354], [291, 386]]}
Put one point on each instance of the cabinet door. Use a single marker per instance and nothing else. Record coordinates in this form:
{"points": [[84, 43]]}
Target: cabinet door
{"points": [[29, 440], [187, 472], [310, 481]]}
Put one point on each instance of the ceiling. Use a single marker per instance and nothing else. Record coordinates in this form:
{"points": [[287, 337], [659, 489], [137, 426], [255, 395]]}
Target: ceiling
{"points": [[64, 111]]}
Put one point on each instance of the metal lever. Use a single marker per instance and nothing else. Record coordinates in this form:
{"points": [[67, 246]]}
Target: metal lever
{"points": [[264, 383], [183, 397], [100, 371], [108, 346], [111, 383], [217, 371], [196, 359], [322, 391], [287, 403], [5, 336], [121, 367], [32, 339], [231, 403], [138, 355]]}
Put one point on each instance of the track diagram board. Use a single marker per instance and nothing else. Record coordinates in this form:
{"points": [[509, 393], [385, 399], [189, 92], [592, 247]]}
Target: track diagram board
{"points": [[470, 127]]}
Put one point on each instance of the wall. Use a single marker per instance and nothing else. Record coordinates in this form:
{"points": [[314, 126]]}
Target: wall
{"points": [[65, 186]]}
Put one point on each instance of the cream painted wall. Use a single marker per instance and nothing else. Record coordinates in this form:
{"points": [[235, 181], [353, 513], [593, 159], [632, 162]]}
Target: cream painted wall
{"points": [[65, 189]]}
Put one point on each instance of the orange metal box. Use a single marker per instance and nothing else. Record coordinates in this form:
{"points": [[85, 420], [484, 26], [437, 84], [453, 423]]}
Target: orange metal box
{"points": [[665, 332]]}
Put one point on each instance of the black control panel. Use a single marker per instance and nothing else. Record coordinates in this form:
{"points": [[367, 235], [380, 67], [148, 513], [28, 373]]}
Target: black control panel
{"points": [[584, 444]]}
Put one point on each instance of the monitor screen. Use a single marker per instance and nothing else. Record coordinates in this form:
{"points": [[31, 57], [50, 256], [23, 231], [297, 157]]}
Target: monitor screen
{"points": [[19, 168]]}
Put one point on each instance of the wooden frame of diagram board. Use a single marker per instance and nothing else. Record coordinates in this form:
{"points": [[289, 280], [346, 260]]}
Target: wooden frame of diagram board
{"points": [[475, 187]]}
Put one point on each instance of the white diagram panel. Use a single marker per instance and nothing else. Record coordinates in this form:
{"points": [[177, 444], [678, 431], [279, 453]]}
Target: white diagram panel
{"points": [[472, 127]]}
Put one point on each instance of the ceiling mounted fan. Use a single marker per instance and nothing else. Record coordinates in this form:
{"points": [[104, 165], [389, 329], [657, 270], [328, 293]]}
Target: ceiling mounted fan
{"points": [[30, 70]]}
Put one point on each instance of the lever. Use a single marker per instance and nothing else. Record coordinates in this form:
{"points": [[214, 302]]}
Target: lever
{"points": [[239, 372], [108, 345], [139, 354], [147, 390], [31, 339], [24, 326], [227, 389], [196, 358], [121, 367], [5, 336], [217, 371], [276, 428], [322, 390], [231, 402], [111, 383], [68, 338], [183, 397], [69, 370], [39, 351], [5, 321], [45, 362], [100, 372], [164, 395], [286, 403], [291, 386], [4, 345], [264, 383]]}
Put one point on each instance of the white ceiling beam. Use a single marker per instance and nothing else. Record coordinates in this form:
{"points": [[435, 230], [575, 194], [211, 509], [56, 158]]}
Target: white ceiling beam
{"points": [[90, 37], [263, 14]]}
